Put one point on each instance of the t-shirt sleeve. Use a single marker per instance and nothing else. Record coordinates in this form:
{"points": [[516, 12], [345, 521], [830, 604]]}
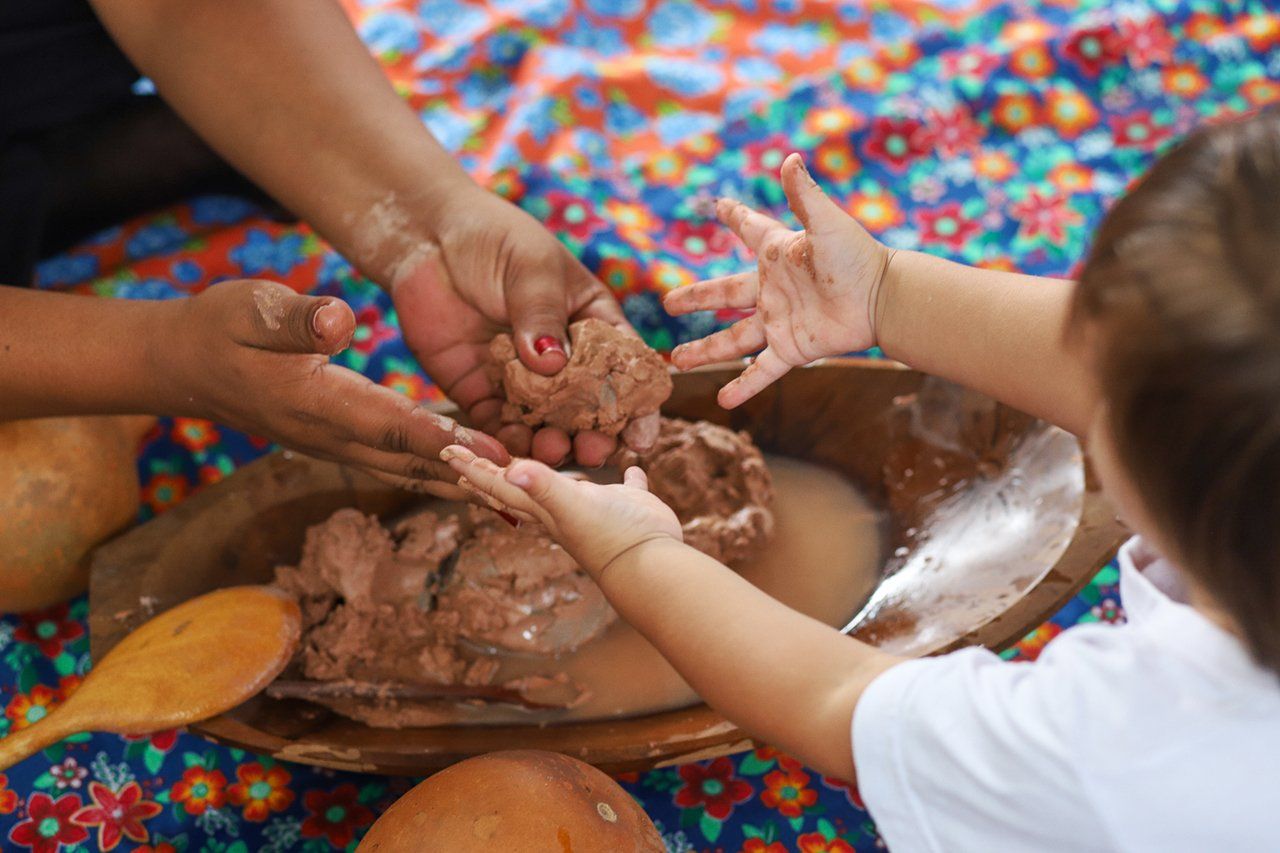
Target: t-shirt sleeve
{"points": [[960, 751]]}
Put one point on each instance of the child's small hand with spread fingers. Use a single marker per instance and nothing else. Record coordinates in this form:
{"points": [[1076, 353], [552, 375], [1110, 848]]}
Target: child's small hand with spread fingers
{"points": [[595, 523], [814, 292]]}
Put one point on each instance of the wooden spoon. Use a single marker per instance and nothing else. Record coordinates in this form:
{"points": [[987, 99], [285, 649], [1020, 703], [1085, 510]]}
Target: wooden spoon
{"points": [[190, 663]]}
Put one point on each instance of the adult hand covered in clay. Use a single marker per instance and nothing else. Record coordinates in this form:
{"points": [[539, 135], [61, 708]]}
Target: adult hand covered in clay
{"points": [[255, 355], [815, 292], [492, 267]]}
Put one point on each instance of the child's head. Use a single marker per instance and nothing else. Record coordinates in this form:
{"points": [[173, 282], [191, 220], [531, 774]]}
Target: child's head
{"points": [[1180, 304]]}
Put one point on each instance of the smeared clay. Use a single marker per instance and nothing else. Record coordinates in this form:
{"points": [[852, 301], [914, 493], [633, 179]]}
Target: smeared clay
{"points": [[716, 481], [427, 601], [516, 589], [270, 304], [611, 379]]}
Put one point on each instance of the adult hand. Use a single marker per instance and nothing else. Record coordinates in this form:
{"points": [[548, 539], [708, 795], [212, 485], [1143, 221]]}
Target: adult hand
{"points": [[255, 355], [492, 267]]}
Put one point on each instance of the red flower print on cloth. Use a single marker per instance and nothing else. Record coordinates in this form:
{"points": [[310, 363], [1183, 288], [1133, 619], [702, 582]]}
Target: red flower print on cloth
{"points": [[164, 491], [371, 330], [757, 845], [1094, 49], [712, 786], [8, 797], [1070, 112], [954, 131], [876, 211], [572, 215], [622, 275], [946, 225], [816, 842], [162, 740], [835, 159], [973, 64], [788, 791], [50, 629], [48, 825], [1261, 30], [1260, 91], [850, 791], [1032, 61], [1030, 646], [897, 141], [335, 815], [26, 709], [194, 434], [1147, 42], [1138, 130], [162, 847], [260, 791], [1015, 111], [698, 241], [117, 814], [1185, 80], [767, 154], [200, 789], [1046, 217]]}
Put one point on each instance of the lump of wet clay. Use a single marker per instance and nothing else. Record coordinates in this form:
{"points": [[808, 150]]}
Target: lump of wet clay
{"points": [[717, 482], [353, 557], [516, 589], [612, 379], [428, 602]]}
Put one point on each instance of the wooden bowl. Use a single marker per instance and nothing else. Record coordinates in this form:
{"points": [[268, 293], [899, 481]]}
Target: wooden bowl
{"points": [[993, 526]]}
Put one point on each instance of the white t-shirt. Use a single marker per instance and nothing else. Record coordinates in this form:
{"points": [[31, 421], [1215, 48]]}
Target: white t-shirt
{"points": [[1158, 735]]}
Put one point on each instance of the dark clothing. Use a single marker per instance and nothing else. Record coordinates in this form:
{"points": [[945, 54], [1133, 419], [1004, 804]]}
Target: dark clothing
{"points": [[79, 149]]}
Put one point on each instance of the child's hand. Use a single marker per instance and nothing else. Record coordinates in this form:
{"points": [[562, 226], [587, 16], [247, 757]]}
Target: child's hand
{"points": [[814, 293], [255, 355], [596, 524]]}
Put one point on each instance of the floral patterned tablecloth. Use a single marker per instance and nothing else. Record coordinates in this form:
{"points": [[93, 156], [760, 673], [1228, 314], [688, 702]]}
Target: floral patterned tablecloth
{"points": [[991, 132]]}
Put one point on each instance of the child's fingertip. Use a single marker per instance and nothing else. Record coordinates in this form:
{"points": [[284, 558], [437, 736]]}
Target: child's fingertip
{"points": [[520, 477]]}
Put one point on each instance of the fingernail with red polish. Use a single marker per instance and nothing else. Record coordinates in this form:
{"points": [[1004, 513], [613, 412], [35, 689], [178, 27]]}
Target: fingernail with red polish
{"points": [[548, 343], [508, 518], [315, 321]]}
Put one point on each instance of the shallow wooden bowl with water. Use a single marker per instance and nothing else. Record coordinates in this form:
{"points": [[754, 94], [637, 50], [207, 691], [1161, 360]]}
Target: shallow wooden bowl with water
{"points": [[991, 525]]}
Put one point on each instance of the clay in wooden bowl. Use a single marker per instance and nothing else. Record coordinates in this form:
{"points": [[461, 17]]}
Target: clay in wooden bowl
{"points": [[989, 526]]}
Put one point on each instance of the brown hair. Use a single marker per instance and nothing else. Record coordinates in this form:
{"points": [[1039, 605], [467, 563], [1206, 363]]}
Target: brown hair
{"points": [[1182, 289]]}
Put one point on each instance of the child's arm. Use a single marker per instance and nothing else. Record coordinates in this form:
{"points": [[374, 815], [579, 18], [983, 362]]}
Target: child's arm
{"points": [[833, 289], [785, 678], [250, 354]]}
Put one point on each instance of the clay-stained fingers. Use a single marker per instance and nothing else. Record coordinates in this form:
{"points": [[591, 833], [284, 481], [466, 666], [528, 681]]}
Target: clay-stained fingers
{"points": [[383, 419], [551, 445], [730, 291], [592, 449], [751, 226], [766, 368], [403, 470], [484, 478], [435, 488], [742, 338]]}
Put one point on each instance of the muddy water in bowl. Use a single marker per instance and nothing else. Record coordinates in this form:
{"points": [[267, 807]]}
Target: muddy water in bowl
{"points": [[824, 560]]}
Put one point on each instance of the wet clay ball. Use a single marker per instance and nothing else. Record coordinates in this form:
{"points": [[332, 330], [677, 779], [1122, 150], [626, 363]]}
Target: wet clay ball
{"points": [[612, 378], [515, 802]]}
